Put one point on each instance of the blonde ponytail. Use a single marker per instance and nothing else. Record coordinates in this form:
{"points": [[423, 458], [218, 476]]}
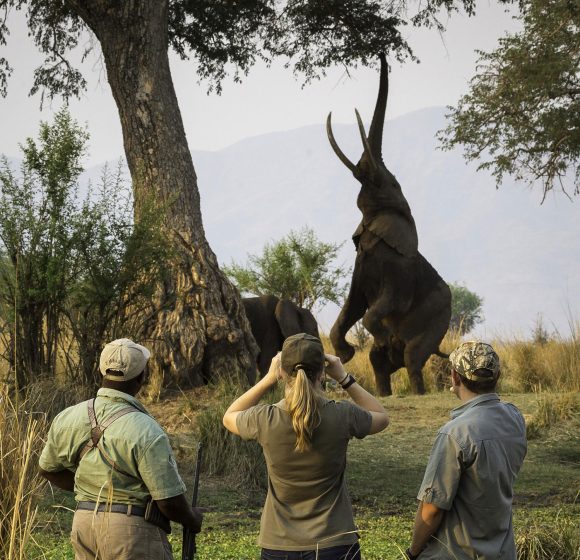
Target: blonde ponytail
{"points": [[302, 403]]}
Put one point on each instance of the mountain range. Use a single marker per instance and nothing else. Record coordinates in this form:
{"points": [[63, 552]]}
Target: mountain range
{"points": [[520, 255]]}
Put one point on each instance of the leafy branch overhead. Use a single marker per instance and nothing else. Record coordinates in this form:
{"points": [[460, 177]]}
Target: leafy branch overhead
{"points": [[521, 116], [220, 34], [298, 267]]}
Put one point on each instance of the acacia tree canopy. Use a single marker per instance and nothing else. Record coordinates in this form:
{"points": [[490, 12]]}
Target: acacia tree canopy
{"points": [[221, 34], [521, 115]]}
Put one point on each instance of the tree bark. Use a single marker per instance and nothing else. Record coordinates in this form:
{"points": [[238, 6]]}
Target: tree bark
{"points": [[198, 330]]}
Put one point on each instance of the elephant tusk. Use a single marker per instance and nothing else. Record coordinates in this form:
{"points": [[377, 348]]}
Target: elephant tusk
{"points": [[335, 147], [365, 141]]}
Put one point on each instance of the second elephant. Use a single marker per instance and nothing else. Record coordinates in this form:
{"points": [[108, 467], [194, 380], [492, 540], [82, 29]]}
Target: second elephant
{"points": [[272, 321]]}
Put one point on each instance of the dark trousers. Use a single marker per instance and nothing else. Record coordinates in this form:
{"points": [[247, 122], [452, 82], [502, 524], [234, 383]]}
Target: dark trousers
{"points": [[344, 552]]}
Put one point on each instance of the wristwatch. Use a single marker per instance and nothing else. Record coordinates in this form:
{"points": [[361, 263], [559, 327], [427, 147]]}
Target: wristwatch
{"points": [[348, 382]]}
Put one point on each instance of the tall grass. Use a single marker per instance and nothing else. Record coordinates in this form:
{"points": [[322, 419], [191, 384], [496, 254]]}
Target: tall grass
{"points": [[21, 436], [549, 542], [552, 410], [553, 365], [226, 454]]}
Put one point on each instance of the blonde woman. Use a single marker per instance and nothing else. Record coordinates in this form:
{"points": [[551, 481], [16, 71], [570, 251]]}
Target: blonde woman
{"points": [[304, 437]]}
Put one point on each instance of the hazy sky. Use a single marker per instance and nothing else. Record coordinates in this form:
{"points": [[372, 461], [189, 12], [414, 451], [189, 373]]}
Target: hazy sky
{"points": [[268, 99]]}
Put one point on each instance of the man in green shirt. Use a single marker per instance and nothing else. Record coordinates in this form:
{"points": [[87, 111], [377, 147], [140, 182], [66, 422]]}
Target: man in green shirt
{"points": [[118, 461], [465, 510]]}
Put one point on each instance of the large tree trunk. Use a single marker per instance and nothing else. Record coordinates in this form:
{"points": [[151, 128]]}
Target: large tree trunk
{"points": [[198, 330]]}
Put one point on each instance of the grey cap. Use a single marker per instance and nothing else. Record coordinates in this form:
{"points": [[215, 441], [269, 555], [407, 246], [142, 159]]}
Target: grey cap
{"points": [[472, 356], [124, 356], [302, 351]]}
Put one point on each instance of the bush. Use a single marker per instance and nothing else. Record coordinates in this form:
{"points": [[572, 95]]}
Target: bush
{"points": [[226, 454]]}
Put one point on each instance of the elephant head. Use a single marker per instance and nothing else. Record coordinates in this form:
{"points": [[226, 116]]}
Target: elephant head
{"points": [[272, 320], [385, 209]]}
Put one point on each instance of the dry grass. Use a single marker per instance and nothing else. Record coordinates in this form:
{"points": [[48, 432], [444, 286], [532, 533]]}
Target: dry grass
{"points": [[21, 436], [552, 365], [555, 541], [552, 410]]}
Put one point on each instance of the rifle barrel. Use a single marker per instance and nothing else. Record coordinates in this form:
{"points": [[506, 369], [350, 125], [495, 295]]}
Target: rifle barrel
{"points": [[189, 548]]}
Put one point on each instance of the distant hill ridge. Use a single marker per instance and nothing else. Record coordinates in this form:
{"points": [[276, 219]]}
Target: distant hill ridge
{"points": [[520, 256]]}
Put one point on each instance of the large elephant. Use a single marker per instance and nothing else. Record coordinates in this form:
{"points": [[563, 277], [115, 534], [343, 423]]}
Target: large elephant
{"points": [[404, 303], [272, 321]]}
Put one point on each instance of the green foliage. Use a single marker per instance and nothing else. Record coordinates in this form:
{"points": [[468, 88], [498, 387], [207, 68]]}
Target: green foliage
{"points": [[221, 34], [298, 267], [466, 309], [72, 271], [522, 112]]}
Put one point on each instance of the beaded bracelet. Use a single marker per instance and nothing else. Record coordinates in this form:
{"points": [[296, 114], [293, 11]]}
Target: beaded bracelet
{"points": [[349, 382]]}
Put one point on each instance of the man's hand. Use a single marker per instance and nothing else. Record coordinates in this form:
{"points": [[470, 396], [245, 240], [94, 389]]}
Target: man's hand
{"points": [[178, 509], [64, 479]]}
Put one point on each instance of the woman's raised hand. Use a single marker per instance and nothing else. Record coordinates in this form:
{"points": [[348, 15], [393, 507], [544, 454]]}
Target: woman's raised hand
{"points": [[275, 371], [334, 369]]}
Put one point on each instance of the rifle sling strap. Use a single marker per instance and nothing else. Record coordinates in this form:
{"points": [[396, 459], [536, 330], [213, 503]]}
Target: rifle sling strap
{"points": [[97, 431]]}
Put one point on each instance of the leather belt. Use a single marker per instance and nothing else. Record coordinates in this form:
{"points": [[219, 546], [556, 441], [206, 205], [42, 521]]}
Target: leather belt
{"points": [[128, 509]]}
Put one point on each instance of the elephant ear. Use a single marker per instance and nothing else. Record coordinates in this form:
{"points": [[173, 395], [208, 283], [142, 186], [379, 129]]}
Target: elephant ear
{"points": [[397, 231], [308, 323], [288, 318]]}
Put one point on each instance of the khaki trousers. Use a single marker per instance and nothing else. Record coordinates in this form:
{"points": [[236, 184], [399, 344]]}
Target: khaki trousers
{"points": [[117, 536]]}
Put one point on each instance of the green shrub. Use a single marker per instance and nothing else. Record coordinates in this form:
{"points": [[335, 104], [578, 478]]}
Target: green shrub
{"points": [[225, 454]]}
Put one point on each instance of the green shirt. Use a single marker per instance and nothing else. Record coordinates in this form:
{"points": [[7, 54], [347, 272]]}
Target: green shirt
{"points": [[307, 502], [136, 442], [471, 472]]}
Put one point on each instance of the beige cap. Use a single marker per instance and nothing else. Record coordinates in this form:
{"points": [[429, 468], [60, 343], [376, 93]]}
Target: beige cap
{"points": [[472, 356], [125, 356]]}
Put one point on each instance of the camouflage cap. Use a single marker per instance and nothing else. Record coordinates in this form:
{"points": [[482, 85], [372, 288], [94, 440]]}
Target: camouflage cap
{"points": [[472, 356]]}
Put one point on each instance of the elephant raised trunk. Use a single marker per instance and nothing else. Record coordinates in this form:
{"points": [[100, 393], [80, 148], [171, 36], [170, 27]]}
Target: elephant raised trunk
{"points": [[373, 143], [402, 300]]}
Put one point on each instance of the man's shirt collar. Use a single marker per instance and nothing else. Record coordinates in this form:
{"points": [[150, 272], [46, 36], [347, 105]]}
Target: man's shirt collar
{"points": [[120, 396], [473, 402]]}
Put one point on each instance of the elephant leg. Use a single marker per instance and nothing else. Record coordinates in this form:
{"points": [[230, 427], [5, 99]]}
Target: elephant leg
{"points": [[374, 320], [353, 309], [384, 365], [417, 352]]}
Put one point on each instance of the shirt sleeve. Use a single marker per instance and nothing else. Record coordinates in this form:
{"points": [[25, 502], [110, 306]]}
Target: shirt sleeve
{"points": [[359, 421], [158, 470], [55, 456], [248, 422], [443, 473]]}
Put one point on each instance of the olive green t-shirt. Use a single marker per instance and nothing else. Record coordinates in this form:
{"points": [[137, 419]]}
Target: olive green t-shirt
{"points": [[136, 443], [307, 502]]}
